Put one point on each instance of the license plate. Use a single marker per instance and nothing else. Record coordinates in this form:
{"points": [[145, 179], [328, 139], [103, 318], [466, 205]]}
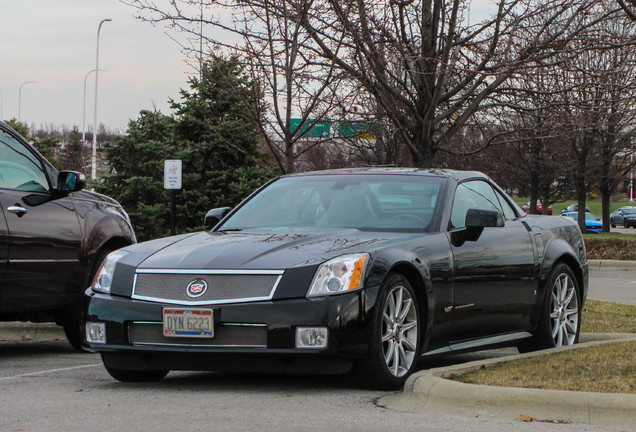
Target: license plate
{"points": [[188, 323]]}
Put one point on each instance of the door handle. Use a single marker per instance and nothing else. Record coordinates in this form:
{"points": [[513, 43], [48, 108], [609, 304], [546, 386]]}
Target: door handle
{"points": [[20, 211]]}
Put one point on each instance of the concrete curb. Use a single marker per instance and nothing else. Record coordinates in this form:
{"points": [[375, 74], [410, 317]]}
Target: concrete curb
{"points": [[27, 331], [611, 265], [429, 391]]}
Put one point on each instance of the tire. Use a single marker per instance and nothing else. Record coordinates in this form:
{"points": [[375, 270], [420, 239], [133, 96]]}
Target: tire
{"points": [[560, 322], [73, 317], [612, 223], [625, 224], [124, 375], [394, 336]]}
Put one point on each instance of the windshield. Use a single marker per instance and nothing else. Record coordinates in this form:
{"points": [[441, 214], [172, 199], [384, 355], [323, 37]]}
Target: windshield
{"points": [[373, 202], [629, 211]]}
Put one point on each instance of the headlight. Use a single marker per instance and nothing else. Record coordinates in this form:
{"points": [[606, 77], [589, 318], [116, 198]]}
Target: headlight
{"points": [[342, 274], [104, 276]]}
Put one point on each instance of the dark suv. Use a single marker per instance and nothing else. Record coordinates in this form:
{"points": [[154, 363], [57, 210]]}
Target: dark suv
{"points": [[53, 236]]}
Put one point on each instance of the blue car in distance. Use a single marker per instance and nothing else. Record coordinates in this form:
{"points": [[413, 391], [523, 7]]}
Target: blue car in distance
{"points": [[625, 216], [592, 223]]}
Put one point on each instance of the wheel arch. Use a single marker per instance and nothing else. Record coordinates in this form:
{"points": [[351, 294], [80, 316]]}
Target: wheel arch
{"points": [[111, 244], [574, 265]]}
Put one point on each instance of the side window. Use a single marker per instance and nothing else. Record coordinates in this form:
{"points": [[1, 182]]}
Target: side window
{"points": [[508, 212], [19, 168], [472, 194]]}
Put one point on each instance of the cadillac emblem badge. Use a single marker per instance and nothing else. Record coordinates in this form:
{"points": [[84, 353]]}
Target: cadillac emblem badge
{"points": [[196, 288]]}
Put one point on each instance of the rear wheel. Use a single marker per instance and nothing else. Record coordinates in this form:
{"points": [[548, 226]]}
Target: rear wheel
{"points": [[560, 321], [394, 344]]}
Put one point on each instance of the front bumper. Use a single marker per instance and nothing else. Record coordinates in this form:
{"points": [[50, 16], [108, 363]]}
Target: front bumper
{"points": [[134, 331]]}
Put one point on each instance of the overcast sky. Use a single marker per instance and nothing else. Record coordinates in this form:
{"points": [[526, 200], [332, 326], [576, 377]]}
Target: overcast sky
{"points": [[53, 42]]}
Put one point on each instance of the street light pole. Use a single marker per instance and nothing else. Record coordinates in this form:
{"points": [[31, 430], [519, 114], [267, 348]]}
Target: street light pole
{"points": [[20, 97], [94, 157], [631, 176], [84, 107]]}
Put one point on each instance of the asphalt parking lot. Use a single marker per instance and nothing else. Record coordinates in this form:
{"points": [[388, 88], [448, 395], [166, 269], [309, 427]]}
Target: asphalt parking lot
{"points": [[45, 386]]}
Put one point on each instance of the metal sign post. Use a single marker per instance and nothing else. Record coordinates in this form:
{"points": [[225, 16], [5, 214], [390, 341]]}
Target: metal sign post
{"points": [[172, 175]]}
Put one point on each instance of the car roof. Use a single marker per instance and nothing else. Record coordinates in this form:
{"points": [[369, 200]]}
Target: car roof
{"points": [[436, 172]]}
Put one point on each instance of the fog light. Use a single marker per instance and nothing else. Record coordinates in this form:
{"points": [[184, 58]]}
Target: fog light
{"points": [[311, 337], [95, 332]]}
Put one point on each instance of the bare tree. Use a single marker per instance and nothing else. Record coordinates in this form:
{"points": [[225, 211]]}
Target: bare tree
{"points": [[428, 69], [267, 38], [629, 6], [592, 97]]}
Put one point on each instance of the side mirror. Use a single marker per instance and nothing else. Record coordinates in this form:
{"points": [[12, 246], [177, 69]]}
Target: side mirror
{"points": [[483, 218], [214, 216], [70, 181], [476, 221]]}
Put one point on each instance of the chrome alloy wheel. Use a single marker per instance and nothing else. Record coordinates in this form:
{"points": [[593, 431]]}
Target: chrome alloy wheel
{"points": [[564, 311], [399, 331]]}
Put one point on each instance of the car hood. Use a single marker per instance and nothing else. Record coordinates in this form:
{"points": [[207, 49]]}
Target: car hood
{"points": [[241, 250]]}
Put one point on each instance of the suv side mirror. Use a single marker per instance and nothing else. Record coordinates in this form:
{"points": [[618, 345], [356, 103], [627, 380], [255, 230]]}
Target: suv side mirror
{"points": [[70, 181], [214, 216]]}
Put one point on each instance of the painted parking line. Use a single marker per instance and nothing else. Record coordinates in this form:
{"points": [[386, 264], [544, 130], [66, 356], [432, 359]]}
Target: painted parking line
{"points": [[50, 371]]}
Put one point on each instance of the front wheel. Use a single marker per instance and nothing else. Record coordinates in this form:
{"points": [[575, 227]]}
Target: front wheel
{"points": [[560, 322], [127, 375], [394, 334]]}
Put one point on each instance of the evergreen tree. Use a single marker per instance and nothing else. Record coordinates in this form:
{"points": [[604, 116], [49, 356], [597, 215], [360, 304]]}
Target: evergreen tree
{"points": [[48, 147], [20, 128], [74, 156], [221, 139], [216, 142]]}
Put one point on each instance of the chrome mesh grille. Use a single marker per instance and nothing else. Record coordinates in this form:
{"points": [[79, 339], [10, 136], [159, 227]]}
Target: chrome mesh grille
{"points": [[225, 335], [222, 288]]}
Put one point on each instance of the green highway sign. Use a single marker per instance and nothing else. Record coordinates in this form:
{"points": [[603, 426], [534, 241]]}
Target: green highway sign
{"points": [[312, 128], [357, 129]]}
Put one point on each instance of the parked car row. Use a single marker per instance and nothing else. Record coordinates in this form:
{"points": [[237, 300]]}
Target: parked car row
{"points": [[364, 269], [624, 216]]}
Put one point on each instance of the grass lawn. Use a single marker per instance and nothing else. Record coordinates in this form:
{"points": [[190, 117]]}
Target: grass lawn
{"points": [[595, 205], [607, 368]]}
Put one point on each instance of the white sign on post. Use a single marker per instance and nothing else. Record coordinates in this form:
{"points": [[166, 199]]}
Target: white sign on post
{"points": [[172, 174]]}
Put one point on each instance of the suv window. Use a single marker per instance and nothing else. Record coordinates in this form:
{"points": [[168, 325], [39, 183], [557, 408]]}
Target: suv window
{"points": [[19, 168]]}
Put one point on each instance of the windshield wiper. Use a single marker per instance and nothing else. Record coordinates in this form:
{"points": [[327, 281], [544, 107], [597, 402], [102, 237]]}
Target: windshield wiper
{"points": [[230, 229]]}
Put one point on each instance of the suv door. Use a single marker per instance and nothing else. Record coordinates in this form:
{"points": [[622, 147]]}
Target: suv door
{"points": [[4, 248], [44, 236]]}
